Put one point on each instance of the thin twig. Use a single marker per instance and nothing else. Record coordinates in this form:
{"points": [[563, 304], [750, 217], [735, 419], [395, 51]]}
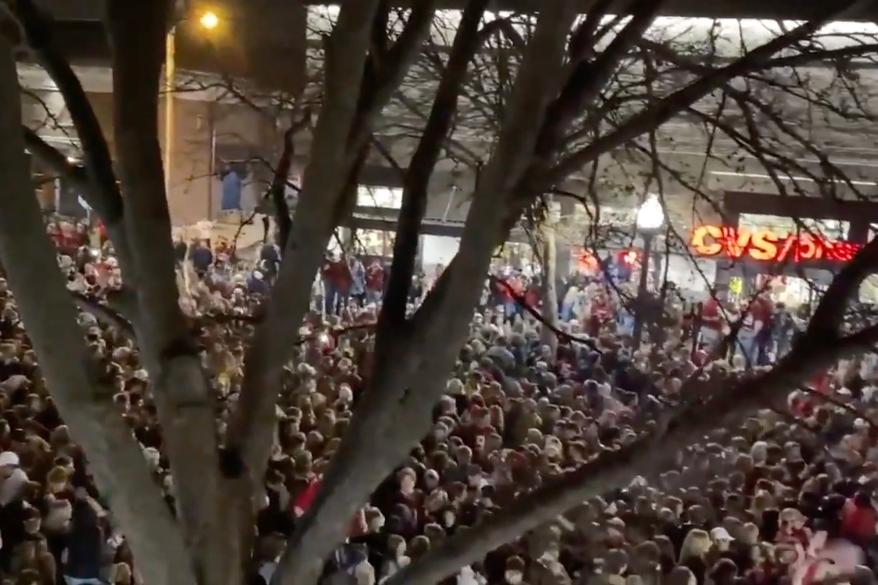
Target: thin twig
{"points": [[536, 314], [840, 404]]}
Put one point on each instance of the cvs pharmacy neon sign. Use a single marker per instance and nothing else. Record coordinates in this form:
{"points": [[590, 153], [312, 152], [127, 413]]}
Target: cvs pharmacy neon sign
{"points": [[768, 246]]}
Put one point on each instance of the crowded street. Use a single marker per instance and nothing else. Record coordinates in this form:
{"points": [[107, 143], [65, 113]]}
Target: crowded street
{"points": [[438, 292], [786, 498]]}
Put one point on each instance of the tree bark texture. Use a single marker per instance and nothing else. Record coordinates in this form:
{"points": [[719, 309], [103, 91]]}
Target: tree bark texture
{"points": [[114, 456], [186, 408], [549, 258]]}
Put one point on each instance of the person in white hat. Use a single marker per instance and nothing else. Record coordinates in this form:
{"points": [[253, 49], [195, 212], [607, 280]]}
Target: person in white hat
{"points": [[721, 538], [12, 478]]}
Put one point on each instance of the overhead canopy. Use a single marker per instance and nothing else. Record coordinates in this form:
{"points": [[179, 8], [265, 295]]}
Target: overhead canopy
{"points": [[260, 40], [784, 9]]}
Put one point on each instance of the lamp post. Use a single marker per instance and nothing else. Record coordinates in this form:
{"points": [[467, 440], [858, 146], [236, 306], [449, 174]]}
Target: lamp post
{"points": [[207, 21], [650, 219]]}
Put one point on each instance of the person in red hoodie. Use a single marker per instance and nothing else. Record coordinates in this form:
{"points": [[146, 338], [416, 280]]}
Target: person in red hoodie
{"points": [[711, 323], [858, 520], [374, 281], [53, 230], [508, 290], [534, 294], [336, 283], [305, 499]]}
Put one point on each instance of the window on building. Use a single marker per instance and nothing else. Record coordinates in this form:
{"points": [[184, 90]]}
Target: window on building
{"points": [[827, 228], [386, 197]]}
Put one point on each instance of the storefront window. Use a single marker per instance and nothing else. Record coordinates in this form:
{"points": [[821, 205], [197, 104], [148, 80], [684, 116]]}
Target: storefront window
{"points": [[516, 256], [795, 292], [869, 290], [362, 242], [374, 243], [386, 197], [827, 228]]}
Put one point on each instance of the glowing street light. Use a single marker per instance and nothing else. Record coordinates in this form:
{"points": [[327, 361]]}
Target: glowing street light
{"points": [[650, 219], [650, 215], [209, 20]]}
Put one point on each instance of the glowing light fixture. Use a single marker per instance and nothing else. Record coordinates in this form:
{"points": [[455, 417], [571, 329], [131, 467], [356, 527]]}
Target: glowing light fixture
{"points": [[650, 215], [209, 20]]}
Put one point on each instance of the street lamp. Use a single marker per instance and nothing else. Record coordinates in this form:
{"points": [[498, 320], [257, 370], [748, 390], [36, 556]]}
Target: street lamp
{"points": [[650, 219], [207, 21]]}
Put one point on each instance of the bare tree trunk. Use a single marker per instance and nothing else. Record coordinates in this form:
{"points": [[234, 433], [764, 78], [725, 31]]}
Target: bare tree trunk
{"points": [[393, 416], [250, 429], [114, 456], [549, 258], [185, 405], [328, 194], [277, 191]]}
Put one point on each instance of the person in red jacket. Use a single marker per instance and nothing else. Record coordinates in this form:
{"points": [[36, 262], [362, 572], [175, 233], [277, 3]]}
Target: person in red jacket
{"points": [[305, 499], [510, 293], [374, 281], [858, 520], [711, 323], [533, 296], [336, 283]]}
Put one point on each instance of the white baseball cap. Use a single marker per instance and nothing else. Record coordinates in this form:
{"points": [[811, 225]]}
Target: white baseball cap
{"points": [[9, 459]]}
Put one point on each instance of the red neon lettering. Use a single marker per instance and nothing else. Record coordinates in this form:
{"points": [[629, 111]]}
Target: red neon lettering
{"points": [[788, 246], [735, 242], [702, 240], [807, 248], [765, 245]]}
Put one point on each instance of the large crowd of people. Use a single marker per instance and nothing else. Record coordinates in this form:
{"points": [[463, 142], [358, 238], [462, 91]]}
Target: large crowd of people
{"points": [[781, 500]]}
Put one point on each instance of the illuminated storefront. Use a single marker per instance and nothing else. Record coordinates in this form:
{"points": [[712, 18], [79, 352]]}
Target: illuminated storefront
{"points": [[790, 246], [769, 246]]}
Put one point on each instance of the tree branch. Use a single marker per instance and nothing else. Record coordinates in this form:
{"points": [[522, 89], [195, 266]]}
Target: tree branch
{"points": [[666, 108], [583, 37], [749, 98], [278, 188], [114, 456], [185, 404], [326, 177], [589, 78], [522, 302], [376, 442], [809, 57], [104, 314], [105, 198], [843, 405], [646, 457], [391, 70], [417, 179], [828, 315], [656, 451], [56, 161]]}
